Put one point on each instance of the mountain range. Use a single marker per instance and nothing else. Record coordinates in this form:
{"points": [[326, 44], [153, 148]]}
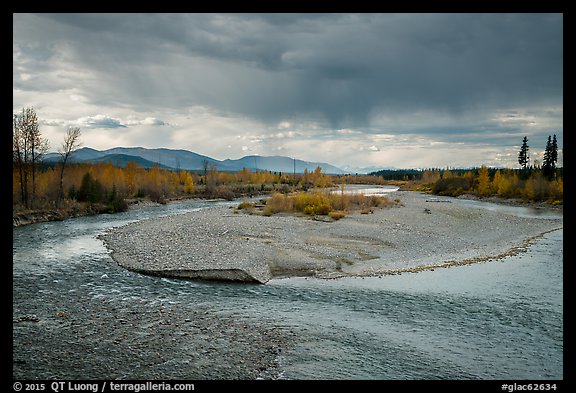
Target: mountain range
{"points": [[184, 159]]}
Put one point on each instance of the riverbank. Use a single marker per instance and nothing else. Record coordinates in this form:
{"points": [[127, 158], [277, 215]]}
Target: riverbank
{"points": [[75, 209], [514, 202], [216, 244]]}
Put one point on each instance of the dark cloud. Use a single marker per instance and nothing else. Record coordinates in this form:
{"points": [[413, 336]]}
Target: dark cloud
{"points": [[368, 72], [338, 65]]}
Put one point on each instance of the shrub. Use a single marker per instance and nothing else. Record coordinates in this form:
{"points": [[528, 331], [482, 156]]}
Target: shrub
{"points": [[279, 203], [245, 205], [118, 204], [452, 186], [283, 188], [321, 208], [72, 192], [337, 214], [224, 193], [312, 203], [155, 196], [323, 203]]}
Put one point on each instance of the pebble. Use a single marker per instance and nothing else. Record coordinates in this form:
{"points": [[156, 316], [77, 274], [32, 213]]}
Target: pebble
{"points": [[254, 247]]}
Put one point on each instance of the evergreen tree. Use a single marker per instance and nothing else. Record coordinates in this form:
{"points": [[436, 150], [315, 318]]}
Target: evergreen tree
{"points": [[523, 154], [554, 150], [550, 158], [91, 190]]}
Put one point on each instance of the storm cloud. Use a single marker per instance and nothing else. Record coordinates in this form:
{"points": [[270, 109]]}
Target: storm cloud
{"points": [[481, 80]]}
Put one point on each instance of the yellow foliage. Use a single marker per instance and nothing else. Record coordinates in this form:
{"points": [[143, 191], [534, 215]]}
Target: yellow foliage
{"points": [[279, 203], [188, 184], [337, 214], [430, 176], [447, 174], [322, 202], [484, 186], [536, 187], [558, 189], [319, 179]]}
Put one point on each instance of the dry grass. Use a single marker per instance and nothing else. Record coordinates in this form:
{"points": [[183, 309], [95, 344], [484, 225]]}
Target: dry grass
{"points": [[245, 205], [324, 203], [337, 214]]}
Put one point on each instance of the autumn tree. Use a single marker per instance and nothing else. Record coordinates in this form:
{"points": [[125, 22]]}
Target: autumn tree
{"points": [[512, 185], [152, 183], [430, 176], [305, 180], [71, 143], [318, 178], [484, 186], [447, 174], [535, 188], [188, 184], [130, 178], [498, 182]]}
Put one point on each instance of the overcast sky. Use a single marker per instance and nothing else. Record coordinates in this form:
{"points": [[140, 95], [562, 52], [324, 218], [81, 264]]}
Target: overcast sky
{"points": [[401, 90]]}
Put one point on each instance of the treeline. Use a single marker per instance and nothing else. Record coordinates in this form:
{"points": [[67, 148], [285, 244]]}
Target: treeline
{"points": [[530, 184], [398, 174], [105, 187], [109, 185]]}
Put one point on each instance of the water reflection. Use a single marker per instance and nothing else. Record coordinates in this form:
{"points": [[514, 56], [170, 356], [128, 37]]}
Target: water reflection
{"points": [[368, 190]]}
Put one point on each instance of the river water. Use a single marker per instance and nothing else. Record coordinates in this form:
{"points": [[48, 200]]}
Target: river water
{"points": [[496, 320]]}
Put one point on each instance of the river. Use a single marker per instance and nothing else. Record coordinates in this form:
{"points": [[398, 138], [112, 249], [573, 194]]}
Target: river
{"points": [[497, 320]]}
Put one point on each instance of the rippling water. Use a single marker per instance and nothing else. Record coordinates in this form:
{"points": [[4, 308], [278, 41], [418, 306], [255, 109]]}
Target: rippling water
{"points": [[496, 320]]}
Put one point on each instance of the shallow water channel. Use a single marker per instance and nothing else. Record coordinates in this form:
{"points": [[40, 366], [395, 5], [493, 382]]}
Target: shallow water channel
{"points": [[495, 320]]}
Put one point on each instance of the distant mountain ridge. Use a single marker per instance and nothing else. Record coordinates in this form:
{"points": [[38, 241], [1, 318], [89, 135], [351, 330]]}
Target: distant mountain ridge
{"points": [[121, 160], [185, 159]]}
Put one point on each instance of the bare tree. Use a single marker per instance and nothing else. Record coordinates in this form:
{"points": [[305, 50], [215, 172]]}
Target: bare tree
{"points": [[178, 166], [28, 149], [18, 151], [38, 148], [205, 164], [71, 143], [211, 179]]}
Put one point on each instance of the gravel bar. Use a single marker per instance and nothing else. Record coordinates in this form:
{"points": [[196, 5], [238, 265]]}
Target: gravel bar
{"points": [[419, 233]]}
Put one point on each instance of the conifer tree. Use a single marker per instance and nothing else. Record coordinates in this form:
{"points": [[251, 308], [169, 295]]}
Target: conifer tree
{"points": [[550, 157], [523, 154]]}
